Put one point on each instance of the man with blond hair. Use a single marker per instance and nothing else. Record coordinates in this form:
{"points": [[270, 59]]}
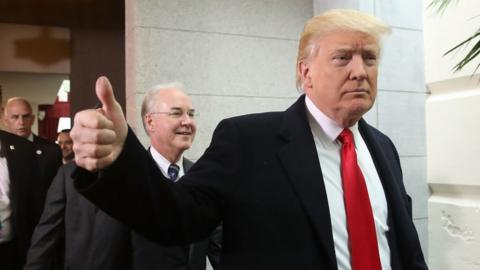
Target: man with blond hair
{"points": [[313, 187]]}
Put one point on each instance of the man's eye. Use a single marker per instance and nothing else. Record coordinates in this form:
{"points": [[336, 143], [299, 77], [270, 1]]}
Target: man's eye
{"points": [[341, 57], [370, 59], [176, 114]]}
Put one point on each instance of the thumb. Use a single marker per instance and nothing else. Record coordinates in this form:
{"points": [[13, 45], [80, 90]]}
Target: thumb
{"points": [[104, 91]]}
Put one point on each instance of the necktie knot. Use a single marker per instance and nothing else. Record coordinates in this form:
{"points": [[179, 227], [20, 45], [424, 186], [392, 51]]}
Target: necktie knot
{"points": [[172, 171], [346, 136]]}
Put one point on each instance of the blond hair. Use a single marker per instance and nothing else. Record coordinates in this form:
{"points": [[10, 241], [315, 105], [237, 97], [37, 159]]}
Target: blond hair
{"points": [[336, 20]]}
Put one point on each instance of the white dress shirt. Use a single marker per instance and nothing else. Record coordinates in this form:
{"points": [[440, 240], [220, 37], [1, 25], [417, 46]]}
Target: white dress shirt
{"points": [[325, 132], [5, 210], [163, 163]]}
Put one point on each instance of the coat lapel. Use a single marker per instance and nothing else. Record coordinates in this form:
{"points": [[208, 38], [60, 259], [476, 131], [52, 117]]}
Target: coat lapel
{"points": [[387, 163], [300, 160]]}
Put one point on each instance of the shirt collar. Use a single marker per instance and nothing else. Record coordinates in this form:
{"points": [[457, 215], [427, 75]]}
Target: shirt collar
{"points": [[163, 163], [331, 128]]}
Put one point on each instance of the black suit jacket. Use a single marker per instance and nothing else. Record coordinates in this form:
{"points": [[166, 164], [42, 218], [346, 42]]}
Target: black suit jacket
{"points": [[89, 238], [261, 176], [25, 195], [149, 255], [49, 157]]}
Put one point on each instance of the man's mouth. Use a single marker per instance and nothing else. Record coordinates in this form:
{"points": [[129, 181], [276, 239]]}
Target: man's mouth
{"points": [[358, 90], [183, 132]]}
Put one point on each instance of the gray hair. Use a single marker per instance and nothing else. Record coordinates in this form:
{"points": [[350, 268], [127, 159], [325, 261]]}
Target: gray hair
{"points": [[150, 101]]}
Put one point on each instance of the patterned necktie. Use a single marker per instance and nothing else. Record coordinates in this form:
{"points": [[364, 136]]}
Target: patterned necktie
{"points": [[361, 226], [172, 171]]}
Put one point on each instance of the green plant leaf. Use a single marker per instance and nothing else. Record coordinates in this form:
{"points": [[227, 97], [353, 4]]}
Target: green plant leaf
{"points": [[474, 51], [440, 5]]}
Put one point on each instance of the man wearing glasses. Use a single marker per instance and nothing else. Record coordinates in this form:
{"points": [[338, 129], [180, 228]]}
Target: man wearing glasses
{"points": [[94, 240], [168, 119]]}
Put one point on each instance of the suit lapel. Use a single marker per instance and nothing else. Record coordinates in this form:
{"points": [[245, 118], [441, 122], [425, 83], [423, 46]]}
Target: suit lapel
{"points": [[187, 164], [300, 160], [384, 158], [383, 162]]}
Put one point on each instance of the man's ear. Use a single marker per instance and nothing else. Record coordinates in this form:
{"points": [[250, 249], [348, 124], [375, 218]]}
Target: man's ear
{"points": [[149, 123], [304, 71]]}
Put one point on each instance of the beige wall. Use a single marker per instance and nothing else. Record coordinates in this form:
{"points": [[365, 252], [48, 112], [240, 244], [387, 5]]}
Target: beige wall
{"points": [[29, 48], [453, 128], [234, 57]]}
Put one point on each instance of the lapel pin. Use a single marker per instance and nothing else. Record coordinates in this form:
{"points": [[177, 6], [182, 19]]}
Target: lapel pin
{"points": [[39, 152], [12, 147]]}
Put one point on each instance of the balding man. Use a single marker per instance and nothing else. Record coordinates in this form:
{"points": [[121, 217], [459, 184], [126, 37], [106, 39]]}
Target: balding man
{"points": [[18, 119], [20, 199], [169, 121]]}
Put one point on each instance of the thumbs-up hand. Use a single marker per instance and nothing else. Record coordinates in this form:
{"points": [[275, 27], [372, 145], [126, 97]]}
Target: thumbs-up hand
{"points": [[99, 134]]}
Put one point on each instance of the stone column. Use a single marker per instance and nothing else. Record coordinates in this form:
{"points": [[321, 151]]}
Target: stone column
{"points": [[453, 147]]}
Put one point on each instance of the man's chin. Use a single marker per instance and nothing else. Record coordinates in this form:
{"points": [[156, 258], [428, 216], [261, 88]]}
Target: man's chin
{"points": [[22, 134], [353, 112], [184, 144], [360, 106]]}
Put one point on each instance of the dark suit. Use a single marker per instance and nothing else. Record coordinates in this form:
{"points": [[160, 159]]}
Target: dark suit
{"points": [[49, 157], [149, 255], [90, 238], [261, 176], [25, 197], [93, 240]]}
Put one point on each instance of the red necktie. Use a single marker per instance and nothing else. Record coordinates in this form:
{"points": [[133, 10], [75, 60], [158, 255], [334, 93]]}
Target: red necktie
{"points": [[361, 227]]}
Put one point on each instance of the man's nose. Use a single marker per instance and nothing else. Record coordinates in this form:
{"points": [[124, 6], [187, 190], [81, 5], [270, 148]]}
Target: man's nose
{"points": [[358, 71], [21, 120], [186, 119]]}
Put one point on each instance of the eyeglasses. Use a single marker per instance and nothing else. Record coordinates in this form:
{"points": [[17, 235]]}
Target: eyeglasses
{"points": [[178, 113]]}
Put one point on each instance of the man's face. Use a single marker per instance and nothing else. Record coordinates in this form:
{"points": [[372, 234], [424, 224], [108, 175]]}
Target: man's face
{"points": [[341, 79], [66, 144], [18, 118], [171, 124]]}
